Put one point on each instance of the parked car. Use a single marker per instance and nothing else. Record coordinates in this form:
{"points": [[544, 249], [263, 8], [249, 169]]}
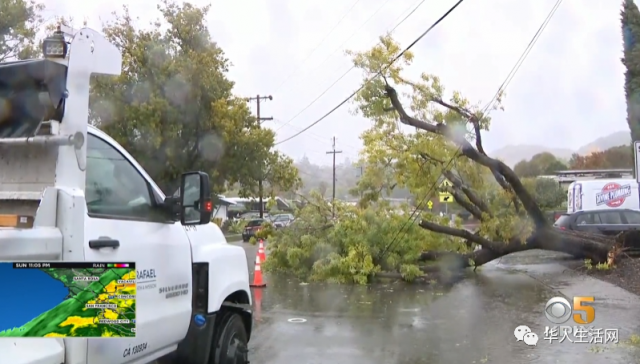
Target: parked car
{"points": [[605, 222], [252, 227], [554, 215], [253, 215], [282, 220]]}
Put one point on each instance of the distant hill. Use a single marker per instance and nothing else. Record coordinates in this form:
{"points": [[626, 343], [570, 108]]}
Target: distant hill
{"points": [[316, 177], [512, 154], [612, 140]]}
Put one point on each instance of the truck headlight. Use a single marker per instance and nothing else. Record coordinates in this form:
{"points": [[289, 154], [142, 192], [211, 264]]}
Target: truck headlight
{"points": [[55, 46]]}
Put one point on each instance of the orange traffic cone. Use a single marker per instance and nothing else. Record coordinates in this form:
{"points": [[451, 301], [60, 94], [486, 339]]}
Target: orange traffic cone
{"points": [[257, 275], [257, 304], [261, 253]]}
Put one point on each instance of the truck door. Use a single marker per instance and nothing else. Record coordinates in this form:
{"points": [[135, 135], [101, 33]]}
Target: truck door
{"points": [[125, 225]]}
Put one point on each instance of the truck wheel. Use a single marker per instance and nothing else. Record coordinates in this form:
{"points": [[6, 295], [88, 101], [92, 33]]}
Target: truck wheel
{"points": [[230, 340]]}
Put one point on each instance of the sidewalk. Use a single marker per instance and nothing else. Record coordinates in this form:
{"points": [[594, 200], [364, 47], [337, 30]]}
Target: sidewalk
{"points": [[615, 306]]}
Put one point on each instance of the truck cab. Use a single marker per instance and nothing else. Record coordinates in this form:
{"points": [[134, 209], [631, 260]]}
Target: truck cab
{"points": [[71, 193]]}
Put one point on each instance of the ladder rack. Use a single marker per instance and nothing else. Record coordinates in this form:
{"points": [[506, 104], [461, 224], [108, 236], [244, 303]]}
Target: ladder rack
{"points": [[45, 140]]}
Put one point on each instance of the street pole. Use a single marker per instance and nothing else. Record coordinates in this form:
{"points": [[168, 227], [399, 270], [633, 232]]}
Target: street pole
{"points": [[361, 168], [333, 199], [257, 99]]}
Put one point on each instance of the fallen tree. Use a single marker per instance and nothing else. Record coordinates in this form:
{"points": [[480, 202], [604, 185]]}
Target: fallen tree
{"points": [[438, 140], [458, 124], [345, 244]]}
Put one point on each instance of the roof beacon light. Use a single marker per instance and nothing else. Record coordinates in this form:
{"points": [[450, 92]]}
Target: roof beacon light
{"points": [[55, 46]]}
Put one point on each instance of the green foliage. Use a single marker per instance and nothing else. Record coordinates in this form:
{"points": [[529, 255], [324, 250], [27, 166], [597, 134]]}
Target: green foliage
{"points": [[266, 232], [237, 226], [540, 164], [350, 248], [19, 22], [547, 192], [634, 340], [271, 204], [631, 60], [173, 106], [588, 264]]}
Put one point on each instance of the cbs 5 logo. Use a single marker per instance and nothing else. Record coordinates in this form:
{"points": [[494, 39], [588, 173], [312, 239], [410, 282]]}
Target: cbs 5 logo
{"points": [[558, 310]]}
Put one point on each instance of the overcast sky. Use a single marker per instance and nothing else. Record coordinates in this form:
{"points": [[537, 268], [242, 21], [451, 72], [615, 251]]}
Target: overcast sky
{"points": [[568, 92]]}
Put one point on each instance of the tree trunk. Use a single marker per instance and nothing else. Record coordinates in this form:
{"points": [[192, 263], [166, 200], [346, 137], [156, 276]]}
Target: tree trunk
{"points": [[580, 247]]}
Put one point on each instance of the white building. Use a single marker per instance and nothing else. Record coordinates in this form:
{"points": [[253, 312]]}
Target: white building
{"points": [[253, 204], [221, 207]]}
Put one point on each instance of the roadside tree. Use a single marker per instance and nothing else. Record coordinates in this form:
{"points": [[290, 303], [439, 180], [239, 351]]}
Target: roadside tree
{"points": [[547, 192], [173, 106], [612, 158], [539, 165], [20, 20], [631, 35], [269, 175], [443, 138]]}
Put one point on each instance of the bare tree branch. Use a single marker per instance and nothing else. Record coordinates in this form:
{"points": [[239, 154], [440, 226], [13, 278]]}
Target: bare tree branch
{"points": [[470, 152], [475, 121], [471, 195], [460, 198], [461, 233], [462, 111]]}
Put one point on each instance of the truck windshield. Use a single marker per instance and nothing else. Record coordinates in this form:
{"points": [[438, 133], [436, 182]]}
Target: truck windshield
{"points": [[111, 181]]}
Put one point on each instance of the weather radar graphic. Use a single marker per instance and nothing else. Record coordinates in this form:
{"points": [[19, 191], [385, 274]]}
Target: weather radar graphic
{"points": [[64, 299]]}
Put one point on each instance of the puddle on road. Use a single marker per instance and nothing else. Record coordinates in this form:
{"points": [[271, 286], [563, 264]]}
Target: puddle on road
{"points": [[399, 323]]}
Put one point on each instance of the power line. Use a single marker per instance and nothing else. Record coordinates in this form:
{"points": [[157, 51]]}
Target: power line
{"points": [[524, 55], [318, 45], [504, 84], [348, 39], [352, 67], [318, 137], [315, 100], [377, 74], [407, 16]]}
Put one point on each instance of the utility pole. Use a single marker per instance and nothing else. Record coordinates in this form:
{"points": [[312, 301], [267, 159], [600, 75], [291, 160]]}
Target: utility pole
{"points": [[260, 119], [333, 199], [361, 168]]}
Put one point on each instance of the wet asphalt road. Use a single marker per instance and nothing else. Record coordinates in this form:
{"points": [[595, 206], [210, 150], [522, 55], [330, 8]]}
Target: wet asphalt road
{"points": [[472, 322]]}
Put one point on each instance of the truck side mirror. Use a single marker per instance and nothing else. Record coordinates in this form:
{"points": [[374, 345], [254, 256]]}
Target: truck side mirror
{"points": [[196, 206]]}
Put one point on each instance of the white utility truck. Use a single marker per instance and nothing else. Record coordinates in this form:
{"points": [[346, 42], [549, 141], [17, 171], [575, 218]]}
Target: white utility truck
{"points": [[69, 192], [603, 194]]}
